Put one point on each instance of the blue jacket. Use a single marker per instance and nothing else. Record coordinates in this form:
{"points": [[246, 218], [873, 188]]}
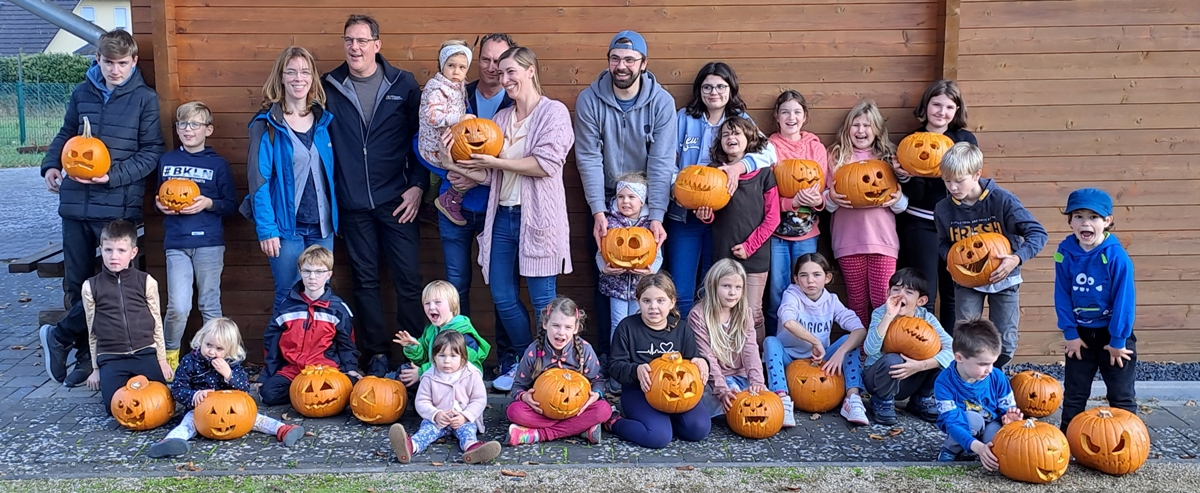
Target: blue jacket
{"points": [[1094, 289], [211, 173], [196, 373], [691, 132], [990, 397], [272, 198], [126, 120], [996, 211]]}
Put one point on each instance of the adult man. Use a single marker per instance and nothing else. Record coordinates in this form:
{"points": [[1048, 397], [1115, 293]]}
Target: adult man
{"points": [[375, 118]]}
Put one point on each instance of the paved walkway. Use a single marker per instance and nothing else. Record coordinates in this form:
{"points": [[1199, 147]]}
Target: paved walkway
{"points": [[31, 220]]}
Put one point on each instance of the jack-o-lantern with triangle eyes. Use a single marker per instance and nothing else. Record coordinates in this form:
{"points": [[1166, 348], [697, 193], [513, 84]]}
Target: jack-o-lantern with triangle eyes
{"points": [[675, 385], [811, 389], [320, 391], [475, 136], [920, 154], [912, 337], [378, 401], [142, 404], [629, 248], [794, 175], [868, 183], [755, 416], [225, 415], [178, 193], [1037, 394], [702, 186], [84, 156], [1031, 451], [561, 393], [972, 260], [1109, 440]]}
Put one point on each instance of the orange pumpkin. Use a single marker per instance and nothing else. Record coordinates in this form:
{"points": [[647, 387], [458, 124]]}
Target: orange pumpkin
{"points": [[1037, 394], [84, 156], [755, 416], [378, 401], [675, 385], [867, 183], [1031, 451], [561, 393], [794, 175], [702, 186], [225, 415], [475, 136], [920, 154], [1109, 440], [320, 391], [972, 260], [142, 405], [912, 337], [813, 391], [629, 248], [178, 193]]}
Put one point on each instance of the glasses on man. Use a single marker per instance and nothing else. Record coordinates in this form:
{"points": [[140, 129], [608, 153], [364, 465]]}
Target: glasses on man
{"points": [[190, 125], [292, 74], [717, 89], [313, 273], [361, 42], [616, 60]]}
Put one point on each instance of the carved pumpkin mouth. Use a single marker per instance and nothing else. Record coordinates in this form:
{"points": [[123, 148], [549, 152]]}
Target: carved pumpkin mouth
{"points": [[322, 404], [1048, 475], [974, 268], [755, 420], [875, 195]]}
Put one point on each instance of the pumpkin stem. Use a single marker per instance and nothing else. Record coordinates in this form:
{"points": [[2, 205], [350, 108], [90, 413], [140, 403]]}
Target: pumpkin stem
{"points": [[1103, 413], [87, 128], [1029, 423]]}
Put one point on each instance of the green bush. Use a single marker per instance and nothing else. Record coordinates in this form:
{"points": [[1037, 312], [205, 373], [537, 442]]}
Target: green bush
{"points": [[52, 67]]}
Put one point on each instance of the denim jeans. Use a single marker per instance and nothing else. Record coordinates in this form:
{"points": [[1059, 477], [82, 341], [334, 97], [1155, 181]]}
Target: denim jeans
{"points": [[981, 429], [618, 310], [689, 258], [783, 254], [506, 286], [1004, 310], [204, 265], [456, 248], [284, 267], [776, 359]]}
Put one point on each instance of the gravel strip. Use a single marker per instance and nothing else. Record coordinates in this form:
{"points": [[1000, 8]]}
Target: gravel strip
{"points": [[1147, 371]]}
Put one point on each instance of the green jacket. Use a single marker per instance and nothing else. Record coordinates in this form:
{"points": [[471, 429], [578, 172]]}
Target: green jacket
{"points": [[421, 354]]}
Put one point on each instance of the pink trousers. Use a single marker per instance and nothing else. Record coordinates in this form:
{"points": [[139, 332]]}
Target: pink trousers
{"points": [[552, 429], [866, 276]]}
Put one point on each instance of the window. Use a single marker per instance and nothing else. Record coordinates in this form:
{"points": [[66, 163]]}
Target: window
{"points": [[121, 18], [88, 14]]}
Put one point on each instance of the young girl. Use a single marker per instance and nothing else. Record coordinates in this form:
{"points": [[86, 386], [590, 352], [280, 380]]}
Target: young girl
{"points": [[215, 363], [558, 345], [941, 111], [440, 300], [864, 240], [627, 210], [640, 338], [450, 399], [798, 227], [725, 335], [444, 103], [807, 314], [745, 225]]}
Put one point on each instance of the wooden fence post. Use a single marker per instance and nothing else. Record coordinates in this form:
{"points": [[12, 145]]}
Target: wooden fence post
{"points": [[948, 38]]}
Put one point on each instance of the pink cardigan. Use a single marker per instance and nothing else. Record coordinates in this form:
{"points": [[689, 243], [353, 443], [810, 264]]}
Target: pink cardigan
{"points": [[545, 247], [864, 231], [808, 147], [749, 365]]}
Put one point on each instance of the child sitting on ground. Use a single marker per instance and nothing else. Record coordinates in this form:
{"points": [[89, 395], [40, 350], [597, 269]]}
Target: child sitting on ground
{"points": [[440, 300]]}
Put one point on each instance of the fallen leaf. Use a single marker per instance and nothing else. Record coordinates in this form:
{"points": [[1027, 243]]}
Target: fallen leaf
{"points": [[793, 488], [1191, 403], [1187, 456], [380, 454], [854, 430], [285, 417], [512, 474], [685, 468], [187, 467], [815, 416], [18, 348], [241, 469], [25, 299], [370, 490], [437, 464], [876, 437], [856, 447], [895, 431], [309, 434]]}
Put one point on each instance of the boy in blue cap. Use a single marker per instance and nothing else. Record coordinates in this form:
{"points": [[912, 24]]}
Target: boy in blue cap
{"points": [[1095, 301]]}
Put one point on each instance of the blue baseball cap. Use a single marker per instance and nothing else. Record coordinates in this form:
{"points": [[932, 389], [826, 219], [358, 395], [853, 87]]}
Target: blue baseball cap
{"points": [[1092, 199], [636, 42]]}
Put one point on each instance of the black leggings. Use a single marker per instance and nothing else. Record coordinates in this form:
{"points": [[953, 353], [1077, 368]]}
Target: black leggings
{"points": [[919, 250], [117, 369]]}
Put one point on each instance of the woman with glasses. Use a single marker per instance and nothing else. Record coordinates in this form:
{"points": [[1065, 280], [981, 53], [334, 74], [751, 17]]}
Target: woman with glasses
{"points": [[290, 168]]}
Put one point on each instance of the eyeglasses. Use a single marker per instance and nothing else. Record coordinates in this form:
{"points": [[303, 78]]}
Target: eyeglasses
{"points": [[303, 74], [717, 89], [359, 41], [313, 273], [616, 60], [190, 125]]}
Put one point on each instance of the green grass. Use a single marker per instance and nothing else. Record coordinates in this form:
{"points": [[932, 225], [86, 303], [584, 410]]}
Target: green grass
{"points": [[778, 473], [312, 483], [39, 130], [935, 472]]}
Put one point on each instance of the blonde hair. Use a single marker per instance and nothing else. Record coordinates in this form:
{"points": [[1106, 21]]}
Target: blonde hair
{"points": [[842, 151], [442, 289], [315, 255], [525, 58], [634, 177], [726, 342], [962, 159], [193, 108], [273, 90], [224, 331]]}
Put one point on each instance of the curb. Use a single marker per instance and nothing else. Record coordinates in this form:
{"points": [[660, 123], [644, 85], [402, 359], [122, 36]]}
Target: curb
{"points": [[1163, 391]]}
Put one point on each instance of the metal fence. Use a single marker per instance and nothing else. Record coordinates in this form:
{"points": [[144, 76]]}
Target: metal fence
{"points": [[31, 113]]}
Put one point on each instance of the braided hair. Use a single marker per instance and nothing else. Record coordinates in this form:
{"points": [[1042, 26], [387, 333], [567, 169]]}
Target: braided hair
{"points": [[566, 307]]}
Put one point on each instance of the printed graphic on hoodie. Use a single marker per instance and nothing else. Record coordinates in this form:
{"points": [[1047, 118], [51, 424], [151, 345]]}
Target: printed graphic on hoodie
{"points": [[959, 231]]}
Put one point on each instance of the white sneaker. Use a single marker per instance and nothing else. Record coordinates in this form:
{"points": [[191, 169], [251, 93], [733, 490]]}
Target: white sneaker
{"points": [[789, 409], [504, 382], [854, 411]]}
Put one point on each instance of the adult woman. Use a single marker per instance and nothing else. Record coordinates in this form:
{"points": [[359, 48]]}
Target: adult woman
{"points": [[290, 168], [526, 229]]}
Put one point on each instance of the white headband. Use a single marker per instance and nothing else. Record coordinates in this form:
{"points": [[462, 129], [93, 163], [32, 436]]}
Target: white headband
{"points": [[451, 50], [638, 188]]}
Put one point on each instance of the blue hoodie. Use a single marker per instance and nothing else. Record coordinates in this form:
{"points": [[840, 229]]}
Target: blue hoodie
{"points": [[996, 211], [991, 397], [1094, 289], [211, 172]]}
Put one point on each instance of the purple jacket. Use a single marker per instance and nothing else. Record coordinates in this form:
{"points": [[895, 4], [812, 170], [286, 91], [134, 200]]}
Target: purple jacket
{"points": [[621, 286]]}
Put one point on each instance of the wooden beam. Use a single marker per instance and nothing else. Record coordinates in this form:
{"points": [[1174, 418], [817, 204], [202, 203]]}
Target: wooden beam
{"points": [[948, 21], [166, 73]]}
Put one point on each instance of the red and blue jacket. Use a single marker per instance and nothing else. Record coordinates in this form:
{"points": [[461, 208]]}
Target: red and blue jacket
{"points": [[309, 332]]}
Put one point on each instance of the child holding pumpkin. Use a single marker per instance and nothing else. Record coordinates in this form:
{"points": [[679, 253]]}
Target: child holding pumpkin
{"points": [[558, 345], [450, 399], [443, 104], [864, 238], [627, 210], [215, 363], [440, 299], [724, 332]]}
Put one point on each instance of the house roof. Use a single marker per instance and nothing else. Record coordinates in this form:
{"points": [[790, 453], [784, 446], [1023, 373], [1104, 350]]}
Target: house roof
{"points": [[21, 31]]}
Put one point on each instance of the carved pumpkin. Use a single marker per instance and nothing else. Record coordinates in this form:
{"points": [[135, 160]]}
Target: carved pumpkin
{"points": [[1038, 395], [320, 391], [972, 260], [378, 401], [84, 156], [912, 337], [755, 416], [702, 186], [561, 393], [867, 183], [142, 405], [1031, 451], [794, 175], [225, 415], [1109, 440], [475, 136], [675, 385], [629, 248], [920, 154], [178, 193], [813, 391]]}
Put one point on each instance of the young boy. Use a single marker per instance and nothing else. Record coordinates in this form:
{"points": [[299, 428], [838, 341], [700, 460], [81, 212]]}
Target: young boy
{"points": [[123, 113], [1095, 299], [194, 237], [440, 299], [976, 206], [974, 401], [892, 376], [121, 307], [311, 327]]}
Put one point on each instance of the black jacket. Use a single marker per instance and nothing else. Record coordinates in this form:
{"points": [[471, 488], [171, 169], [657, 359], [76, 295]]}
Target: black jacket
{"points": [[373, 166], [925, 193], [127, 121]]}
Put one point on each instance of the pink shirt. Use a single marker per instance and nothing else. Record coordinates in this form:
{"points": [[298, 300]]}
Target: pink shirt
{"points": [[864, 231], [808, 147]]}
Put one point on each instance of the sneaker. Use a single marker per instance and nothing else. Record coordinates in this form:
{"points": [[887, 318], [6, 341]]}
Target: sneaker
{"points": [[592, 435], [520, 435], [450, 203], [945, 455], [402, 445], [854, 411], [612, 386], [884, 409], [608, 424], [789, 409], [289, 434], [481, 452], [169, 447], [173, 358], [504, 382], [378, 366], [923, 407], [55, 354], [83, 370]]}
